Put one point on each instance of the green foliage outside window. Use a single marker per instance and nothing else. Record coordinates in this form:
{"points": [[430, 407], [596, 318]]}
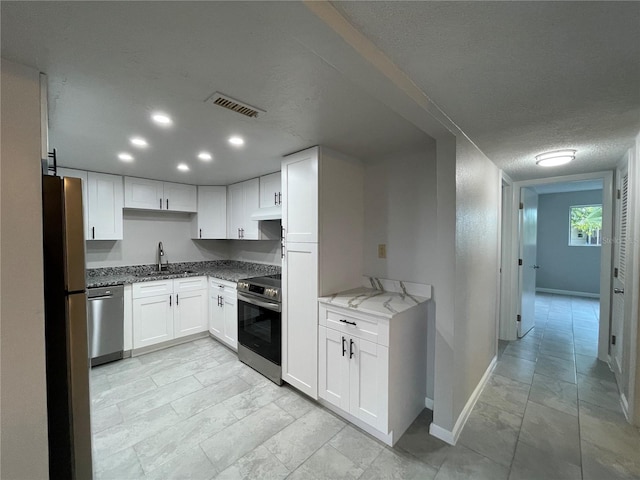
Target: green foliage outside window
{"points": [[586, 225]]}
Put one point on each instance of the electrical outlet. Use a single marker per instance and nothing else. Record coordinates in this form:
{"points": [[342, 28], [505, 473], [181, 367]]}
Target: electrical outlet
{"points": [[382, 250]]}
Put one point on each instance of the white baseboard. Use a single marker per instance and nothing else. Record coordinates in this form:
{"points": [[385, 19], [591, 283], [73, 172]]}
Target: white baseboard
{"points": [[625, 406], [451, 436], [568, 292], [428, 402]]}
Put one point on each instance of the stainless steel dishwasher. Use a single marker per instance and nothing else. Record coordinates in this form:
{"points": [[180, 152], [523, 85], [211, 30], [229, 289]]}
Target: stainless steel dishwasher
{"points": [[106, 324]]}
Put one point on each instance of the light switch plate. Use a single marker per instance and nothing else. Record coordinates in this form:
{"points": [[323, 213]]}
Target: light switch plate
{"points": [[382, 250]]}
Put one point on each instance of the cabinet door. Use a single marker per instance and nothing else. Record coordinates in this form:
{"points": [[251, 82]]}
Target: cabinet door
{"points": [[369, 394], [82, 175], [216, 314], [235, 209], [333, 367], [212, 213], [190, 314], [300, 317], [105, 206], [300, 196], [251, 203], [152, 320], [231, 319], [179, 197], [142, 193], [270, 188]]}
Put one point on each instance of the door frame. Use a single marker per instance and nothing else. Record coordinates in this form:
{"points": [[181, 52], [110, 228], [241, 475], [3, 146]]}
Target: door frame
{"points": [[509, 327]]}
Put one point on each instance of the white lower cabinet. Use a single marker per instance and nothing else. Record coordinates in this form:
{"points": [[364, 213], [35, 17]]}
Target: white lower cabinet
{"points": [[371, 369], [353, 375], [223, 311], [168, 309], [152, 320]]}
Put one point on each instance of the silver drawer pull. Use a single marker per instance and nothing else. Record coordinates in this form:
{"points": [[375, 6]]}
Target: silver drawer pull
{"points": [[348, 322]]}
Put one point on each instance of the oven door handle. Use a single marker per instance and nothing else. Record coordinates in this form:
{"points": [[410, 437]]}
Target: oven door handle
{"points": [[274, 307]]}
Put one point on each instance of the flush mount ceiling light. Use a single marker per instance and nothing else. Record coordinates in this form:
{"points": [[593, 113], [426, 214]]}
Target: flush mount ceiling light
{"points": [[162, 119], [206, 156], [183, 167], [125, 157], [553, 159], [236, 141], [138, 142]]}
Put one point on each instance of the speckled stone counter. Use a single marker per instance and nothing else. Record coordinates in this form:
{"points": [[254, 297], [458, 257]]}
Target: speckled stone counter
{"points": [[230, 270], [381, 297]]}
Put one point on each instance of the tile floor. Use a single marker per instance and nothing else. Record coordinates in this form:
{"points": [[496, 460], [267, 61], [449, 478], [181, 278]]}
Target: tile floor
{"points": [[193, 411]]}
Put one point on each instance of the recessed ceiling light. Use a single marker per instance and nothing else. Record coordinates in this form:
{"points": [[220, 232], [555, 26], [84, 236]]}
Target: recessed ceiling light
{"points": [[162, 119], [553, 159], [237, 141], [138, 142], [206, 156], [125, 157], [183, 167]]}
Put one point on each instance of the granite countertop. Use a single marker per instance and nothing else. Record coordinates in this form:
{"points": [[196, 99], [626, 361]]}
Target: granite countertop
{"points": [[230, 270], [385, 301]]}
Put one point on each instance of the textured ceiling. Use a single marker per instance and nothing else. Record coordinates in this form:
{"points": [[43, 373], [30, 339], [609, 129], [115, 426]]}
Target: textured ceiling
{"points": [[521, 78], [110, 64]]}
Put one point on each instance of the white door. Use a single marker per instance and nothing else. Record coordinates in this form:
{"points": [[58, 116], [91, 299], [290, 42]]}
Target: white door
{"points": [[620, 267], [152, 320], [528, 255], [270, 193], [368, 382], [142, 193], [231, 319], [82, 175], [235, 210], [300, 317], [251, 203], [216, 314], [190, 314], [212, 213], [105, 206], [300, 196], [333, 367], [179, 197]]}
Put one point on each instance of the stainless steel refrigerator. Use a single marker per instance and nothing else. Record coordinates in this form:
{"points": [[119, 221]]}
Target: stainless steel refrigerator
{"points": [[67, 353]]}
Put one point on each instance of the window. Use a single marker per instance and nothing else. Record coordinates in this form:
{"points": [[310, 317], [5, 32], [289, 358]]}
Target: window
{"points": [[585, 225]]}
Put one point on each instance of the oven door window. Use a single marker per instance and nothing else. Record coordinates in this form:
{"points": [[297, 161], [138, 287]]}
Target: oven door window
{"points": [[259, 329]]}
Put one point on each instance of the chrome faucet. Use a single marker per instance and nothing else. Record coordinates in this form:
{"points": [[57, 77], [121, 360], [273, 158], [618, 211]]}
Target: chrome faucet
{"points": [[160, 255]]}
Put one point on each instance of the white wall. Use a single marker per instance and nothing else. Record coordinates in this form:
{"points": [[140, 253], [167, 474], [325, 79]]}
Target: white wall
{"points": [[478, 195], [143, 230], [23, 416], [257, 251], [400, 211]]}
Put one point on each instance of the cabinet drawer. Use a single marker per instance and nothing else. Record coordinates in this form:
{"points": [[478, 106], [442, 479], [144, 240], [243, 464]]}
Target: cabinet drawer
{"points": [[217, 283], [150, 289], [362, 326], [189, 284]]}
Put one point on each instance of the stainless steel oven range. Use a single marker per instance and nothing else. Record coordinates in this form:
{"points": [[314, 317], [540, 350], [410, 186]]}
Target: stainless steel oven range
{"points": [[260, 325]]}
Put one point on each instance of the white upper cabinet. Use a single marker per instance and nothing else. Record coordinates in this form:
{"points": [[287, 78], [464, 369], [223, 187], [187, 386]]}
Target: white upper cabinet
{"points": [[148, 194], [271, 190], [105, 206], [300, 186], [211, 219], [243, 200], [142, 193], [179, 197], [81, 174]]}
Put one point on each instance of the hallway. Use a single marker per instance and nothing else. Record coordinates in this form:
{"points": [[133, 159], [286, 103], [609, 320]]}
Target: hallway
{"points": [[549, 411]]}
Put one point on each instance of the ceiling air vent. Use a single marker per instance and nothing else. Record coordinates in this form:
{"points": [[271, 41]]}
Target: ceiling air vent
{"points": [[234, 105]]}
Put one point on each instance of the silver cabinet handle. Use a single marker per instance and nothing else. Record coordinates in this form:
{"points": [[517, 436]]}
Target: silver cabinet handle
{"points": [[167, 204], [279, 198], [619, 290], [275, 198], [160, 204]]}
